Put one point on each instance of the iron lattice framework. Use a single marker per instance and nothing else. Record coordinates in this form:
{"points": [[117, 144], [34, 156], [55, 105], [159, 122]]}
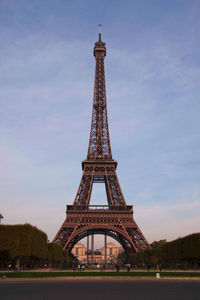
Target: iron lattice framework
{"points": [[115, 219]]}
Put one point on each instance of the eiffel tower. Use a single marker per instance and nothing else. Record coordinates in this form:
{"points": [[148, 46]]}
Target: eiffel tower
{"points": [[115, 219]]}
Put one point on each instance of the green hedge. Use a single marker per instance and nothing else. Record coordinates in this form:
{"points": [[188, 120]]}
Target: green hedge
{"points": [[28, 246], [23, 240], [182, 251]]}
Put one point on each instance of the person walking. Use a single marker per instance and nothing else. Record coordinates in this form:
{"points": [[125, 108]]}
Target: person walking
{"points": [[128, 267], [117, 267]]}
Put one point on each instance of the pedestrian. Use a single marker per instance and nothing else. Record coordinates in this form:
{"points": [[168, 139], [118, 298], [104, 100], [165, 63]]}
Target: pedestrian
{"points": [[74, 267], [117, 267], [128, 267]]}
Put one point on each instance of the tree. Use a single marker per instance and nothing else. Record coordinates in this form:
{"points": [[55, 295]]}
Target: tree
{"points": [[122, 258], [24, 242], [58, 257], [182, 251]]}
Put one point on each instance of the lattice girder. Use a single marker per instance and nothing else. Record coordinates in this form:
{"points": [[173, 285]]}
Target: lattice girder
{"points": [[117, 219], [107, 219], [99, 143], [99, 172]]}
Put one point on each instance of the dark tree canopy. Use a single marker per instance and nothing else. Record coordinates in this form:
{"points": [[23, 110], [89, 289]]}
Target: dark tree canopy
{"points": [[185, 251], [23, 240], [29, 246]]}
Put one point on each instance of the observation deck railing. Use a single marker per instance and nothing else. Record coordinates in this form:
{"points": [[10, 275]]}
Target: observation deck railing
{"points": [[99, 208]]}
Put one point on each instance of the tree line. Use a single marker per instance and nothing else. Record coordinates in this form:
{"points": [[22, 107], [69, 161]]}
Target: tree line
{"points": [[25, 246], [182, 252]]}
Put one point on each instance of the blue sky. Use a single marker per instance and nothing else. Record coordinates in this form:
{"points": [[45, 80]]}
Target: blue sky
{"points": [[46, 87]]}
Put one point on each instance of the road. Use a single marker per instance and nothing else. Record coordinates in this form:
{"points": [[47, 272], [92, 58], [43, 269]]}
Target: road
{"points": [[100, 289]]}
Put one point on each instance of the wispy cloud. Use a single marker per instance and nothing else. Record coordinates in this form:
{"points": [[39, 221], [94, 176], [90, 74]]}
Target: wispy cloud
{"points": [[169, 220]]}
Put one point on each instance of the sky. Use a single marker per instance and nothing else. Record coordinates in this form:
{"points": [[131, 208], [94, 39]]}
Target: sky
{"points": [[152, 81]]}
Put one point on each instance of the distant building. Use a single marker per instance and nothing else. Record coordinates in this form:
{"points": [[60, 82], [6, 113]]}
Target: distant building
{"points": [[1, 217], [79, 251], [112, 252]]}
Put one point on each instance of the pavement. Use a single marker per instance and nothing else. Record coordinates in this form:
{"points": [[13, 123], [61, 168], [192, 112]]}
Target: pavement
{"points": [[99, 289]]}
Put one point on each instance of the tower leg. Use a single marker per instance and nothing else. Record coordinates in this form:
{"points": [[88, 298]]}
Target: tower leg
{"points": [[87, 249], [105, 240], [92, 246]]}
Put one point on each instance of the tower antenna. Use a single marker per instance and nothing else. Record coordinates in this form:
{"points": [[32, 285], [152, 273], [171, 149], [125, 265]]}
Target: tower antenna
{"points": [[99, 32]]}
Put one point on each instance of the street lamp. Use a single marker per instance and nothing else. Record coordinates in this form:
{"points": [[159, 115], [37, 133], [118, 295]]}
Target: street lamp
{"points": [[1, 217]]}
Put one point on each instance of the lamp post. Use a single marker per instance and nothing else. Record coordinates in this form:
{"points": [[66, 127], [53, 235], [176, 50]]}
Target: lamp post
{"points": [[1, 217]]}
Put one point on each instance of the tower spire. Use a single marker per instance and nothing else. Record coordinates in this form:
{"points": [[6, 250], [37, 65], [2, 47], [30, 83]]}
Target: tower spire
{"points": [[99, 32], [99, 144]]}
